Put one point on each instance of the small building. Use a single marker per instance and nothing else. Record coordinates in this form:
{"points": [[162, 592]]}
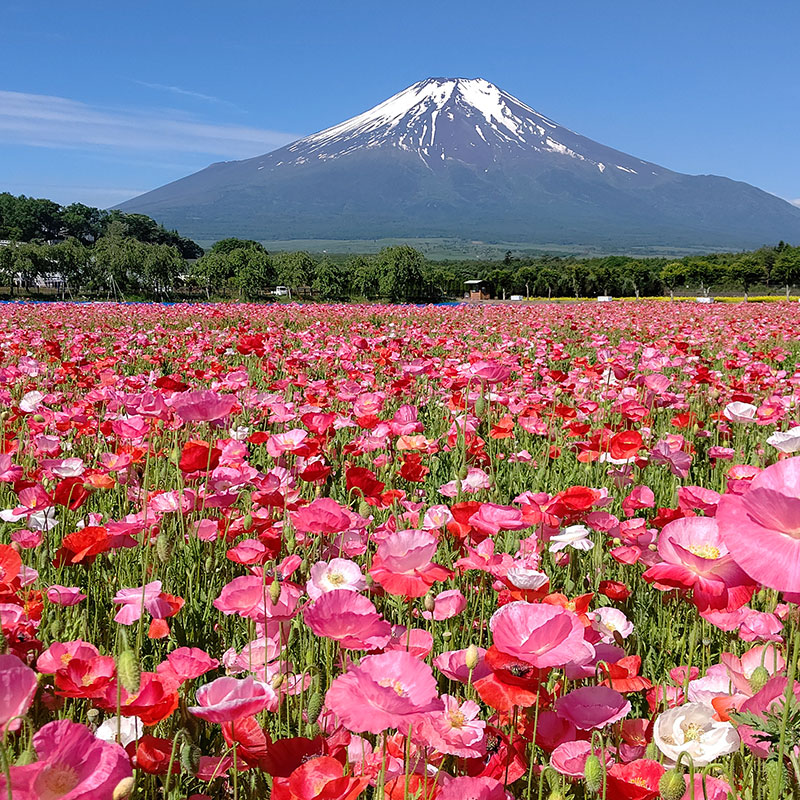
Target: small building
{"points": [[474, 290]]}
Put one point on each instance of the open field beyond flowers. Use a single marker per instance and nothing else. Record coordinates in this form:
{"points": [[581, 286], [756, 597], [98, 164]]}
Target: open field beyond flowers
{"points": [[533, 551]]}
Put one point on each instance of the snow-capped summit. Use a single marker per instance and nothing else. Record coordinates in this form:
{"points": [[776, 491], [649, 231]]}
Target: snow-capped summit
{"points": [[459, 158], [465, 119]]}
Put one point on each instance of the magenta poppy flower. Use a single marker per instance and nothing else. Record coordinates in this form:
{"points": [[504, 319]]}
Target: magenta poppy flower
{"points": [[72, 763], [65, 595], [695, 556], [447, 604], [18, 686], [403, 566], [761, 528], [348, 618], [391, 690], [323, 515], [228, 699], [592, 707], [203, 406], [545, 636], [453, 664]]}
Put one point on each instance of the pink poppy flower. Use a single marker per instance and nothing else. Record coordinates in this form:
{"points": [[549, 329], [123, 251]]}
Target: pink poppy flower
{"points": [[455, 730], [391, 690], [323, 515], [338, 573], [203, 406], [592, 707], [18, 686], [185, 664], [447, 604], [402, 563], [418, 642], [287, 442], [228, 699], [694, 556], [569, 758], [545, 636], [452, 663], [65, 595], [491, 519], [741, 669], [348, 618], [59, 654], [760, 528], [478, 788], [131, 602], [72, 763]]}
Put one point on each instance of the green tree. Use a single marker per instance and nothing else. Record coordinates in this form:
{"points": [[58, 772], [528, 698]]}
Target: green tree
{"points": [[787, 268], [499, 282], [253, 272], [363, 276], [162, 266], [70, 258], [400, 270], [746, 270], [227, 246], [295, 270], [673, 275], [214, 272], [83, 223], [330, 281]]}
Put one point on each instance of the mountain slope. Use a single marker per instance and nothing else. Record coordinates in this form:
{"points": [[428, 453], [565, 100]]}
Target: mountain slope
{"points": [[461, 158]]}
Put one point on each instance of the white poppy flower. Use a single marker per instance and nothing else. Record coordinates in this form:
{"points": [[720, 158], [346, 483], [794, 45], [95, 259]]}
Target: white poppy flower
{"points": [[691, 728], [574, 536]]}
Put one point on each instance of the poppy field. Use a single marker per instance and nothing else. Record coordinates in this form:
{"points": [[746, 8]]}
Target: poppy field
{"points": [[418, 553]]}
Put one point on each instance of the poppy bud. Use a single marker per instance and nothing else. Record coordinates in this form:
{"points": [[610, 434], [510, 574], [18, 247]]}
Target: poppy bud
{"points": [[247, 521], [314, 707], [463, 472], [363, 508], [123, 789], [38, 418], [209, 564], [129, 671], [593, 773], [672, 786], [274, 591], [759, 678], [277, 680], [471, 657], [446, 635], [429, 602], [480, 406], [27, 756], [190, 757], [164, 547]]}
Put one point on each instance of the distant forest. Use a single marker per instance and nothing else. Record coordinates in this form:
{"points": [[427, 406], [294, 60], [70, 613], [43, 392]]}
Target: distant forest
{"points": [[78, 252]]}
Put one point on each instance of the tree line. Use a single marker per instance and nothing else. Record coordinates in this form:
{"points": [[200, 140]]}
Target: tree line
{"points": [[88, 252]]}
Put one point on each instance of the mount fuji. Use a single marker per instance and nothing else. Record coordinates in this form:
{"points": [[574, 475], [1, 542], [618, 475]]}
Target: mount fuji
{"points": [[460, 158]]}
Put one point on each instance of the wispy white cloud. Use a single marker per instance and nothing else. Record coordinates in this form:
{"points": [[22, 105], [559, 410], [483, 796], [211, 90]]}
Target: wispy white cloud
{"points": [[162, 87], [795, 202], [59, 122]]}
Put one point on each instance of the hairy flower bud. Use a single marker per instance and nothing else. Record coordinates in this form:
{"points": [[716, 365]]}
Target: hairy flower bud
{"points": [[672, 786], [759, 678], [471, 657], [123, 789], [274, 591], [593, 773], [314, 707]]}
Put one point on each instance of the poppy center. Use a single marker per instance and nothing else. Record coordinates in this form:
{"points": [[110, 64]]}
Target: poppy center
{"points": [[704, 550], [692, 732], [55, 781]]}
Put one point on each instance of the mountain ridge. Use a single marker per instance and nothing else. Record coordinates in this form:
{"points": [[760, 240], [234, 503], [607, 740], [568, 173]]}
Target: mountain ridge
{"points": [[458, 157]]}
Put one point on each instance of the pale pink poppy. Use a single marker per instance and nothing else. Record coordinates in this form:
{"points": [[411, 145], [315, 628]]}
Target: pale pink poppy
{"points": [[760, 528], [203, 406], [610, 622], [72, 763], [323, 515], [402, 563], [741, 669], [569, 758], [695, 556], [338, 573], [18, 686], [248, 596], [65, 595], [592, 707], [740, 412], [228, 699], [545, 636], [455, 730], [453, 664], [348, 618], [446, 604], [133, 601], [391, 690], [478, 788], [287, 442], [418, 642]]}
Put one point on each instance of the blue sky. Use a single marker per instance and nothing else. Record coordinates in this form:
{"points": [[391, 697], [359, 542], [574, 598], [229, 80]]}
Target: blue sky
{"points": [[101, 101]]}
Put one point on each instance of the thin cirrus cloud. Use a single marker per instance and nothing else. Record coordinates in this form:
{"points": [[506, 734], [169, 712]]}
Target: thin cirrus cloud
{"points": [[59, 122], [162, 87]]}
